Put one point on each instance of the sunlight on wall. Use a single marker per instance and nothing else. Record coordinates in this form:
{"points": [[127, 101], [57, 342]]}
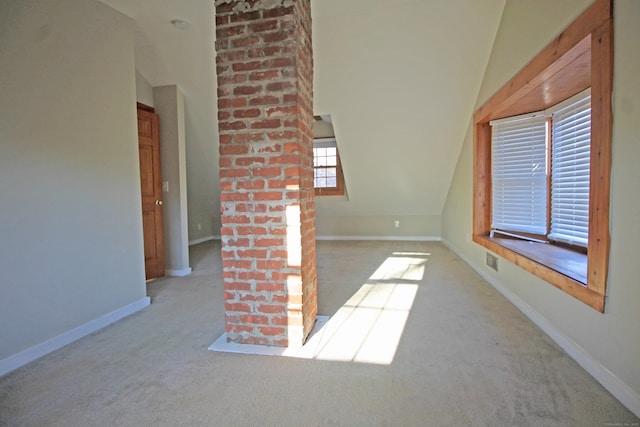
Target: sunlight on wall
{"points": [[294, 240]]}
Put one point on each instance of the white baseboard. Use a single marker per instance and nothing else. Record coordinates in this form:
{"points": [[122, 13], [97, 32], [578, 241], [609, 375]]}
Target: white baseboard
{"points": [[203, 239], [29, 355], [621, 391], [178, 273], [391, 238]]}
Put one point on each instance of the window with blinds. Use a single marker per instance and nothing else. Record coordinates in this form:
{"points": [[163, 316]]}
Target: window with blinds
{"points": [[570, 160], [520, 188], [519, 174]]}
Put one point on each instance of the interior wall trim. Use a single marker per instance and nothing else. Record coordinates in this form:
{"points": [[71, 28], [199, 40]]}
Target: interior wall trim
{"points": [[336, 237], [618, 388], [392, 238], [203, 239], [178, 273], [15, 361]]}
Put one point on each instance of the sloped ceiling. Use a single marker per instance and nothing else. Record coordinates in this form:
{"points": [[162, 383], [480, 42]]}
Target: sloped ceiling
{"points": [[399, 78], [166, 55]]}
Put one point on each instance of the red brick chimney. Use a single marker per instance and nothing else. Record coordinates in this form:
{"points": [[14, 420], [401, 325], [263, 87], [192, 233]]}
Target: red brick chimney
{"points": [[265, 121]]}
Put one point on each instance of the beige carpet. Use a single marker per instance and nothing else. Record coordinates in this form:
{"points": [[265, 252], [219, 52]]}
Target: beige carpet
{"points": [[420, 340]]}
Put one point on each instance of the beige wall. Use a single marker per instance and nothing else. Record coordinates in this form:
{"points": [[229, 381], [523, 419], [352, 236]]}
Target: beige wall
{"points": [[397, 77], [144, 91], [169, 105], [609, 343], [203, 189], [422, 227], [70, 214]]}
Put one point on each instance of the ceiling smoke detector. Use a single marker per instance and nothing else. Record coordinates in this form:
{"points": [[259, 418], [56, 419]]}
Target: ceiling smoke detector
{"points": [[180, 24]]}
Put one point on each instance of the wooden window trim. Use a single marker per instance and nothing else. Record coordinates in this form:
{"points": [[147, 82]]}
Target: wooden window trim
{"points": [[580, 57], [338, 190]]}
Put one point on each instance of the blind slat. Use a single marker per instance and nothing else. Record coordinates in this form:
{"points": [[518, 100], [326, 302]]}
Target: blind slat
{"points": [[571, 140], [519, 194]]}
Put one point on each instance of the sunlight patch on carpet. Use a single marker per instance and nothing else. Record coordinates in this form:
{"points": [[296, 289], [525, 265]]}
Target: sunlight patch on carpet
{"points": [[367, 328]]}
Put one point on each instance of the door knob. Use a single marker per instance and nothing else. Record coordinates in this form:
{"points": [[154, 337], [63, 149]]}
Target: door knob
{"points": [[158, 202]]}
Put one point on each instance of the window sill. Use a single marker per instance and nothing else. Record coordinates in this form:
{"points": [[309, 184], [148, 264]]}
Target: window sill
{"points": [[561, 267], [329, 192], [562, 260]]}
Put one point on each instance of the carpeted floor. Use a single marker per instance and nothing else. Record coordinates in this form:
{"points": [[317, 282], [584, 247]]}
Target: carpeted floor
{"points": [[457, 354]]}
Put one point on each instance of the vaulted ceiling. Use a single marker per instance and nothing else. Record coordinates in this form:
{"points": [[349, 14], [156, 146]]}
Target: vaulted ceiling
{"points": [[399, 78]]}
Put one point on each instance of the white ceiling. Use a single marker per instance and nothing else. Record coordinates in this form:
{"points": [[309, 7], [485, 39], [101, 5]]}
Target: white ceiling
{"points": [[399, 77], [166, 55]]}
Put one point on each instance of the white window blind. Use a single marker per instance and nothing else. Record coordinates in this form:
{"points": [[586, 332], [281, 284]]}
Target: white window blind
{"points": [[519, 169], [570, 160]]}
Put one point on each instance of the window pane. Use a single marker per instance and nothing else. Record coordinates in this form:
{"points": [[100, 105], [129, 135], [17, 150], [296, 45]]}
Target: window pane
{"points": [[571, 145], [519, 177], [325, 164]]}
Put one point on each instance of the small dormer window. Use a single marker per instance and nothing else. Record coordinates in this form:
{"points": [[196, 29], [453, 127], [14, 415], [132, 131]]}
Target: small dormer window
{"points": [[328, 179]]}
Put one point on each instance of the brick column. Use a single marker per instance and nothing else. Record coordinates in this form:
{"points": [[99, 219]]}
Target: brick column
{"points": [[265, 75]]}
